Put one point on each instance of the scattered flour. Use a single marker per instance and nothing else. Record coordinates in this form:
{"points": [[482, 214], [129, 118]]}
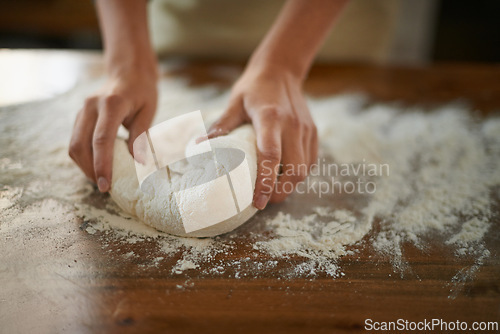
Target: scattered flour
{"points": [[306, 237], [444, 178], [184, 265]]}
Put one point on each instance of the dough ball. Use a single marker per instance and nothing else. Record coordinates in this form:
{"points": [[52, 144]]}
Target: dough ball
{"points": [[157, 206]]}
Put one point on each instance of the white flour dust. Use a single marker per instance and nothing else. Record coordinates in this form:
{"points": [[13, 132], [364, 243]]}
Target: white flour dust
{"points": [[442, 182]]}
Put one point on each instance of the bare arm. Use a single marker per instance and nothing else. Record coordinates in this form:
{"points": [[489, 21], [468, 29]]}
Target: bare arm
{"points": [[297, 35], [269, 95], [124, 28], [129, 95]]}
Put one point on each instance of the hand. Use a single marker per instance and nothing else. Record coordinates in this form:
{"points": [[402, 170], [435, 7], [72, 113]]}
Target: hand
{"points": [[128, 99], [272, 100]]}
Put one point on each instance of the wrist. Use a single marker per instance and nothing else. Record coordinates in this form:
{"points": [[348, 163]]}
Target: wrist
{"points": [[271, 68], [132, 64], [280, 64]]}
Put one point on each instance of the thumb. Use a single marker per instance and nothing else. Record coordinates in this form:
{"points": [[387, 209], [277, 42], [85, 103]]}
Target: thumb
{"points": [[233, 117]]}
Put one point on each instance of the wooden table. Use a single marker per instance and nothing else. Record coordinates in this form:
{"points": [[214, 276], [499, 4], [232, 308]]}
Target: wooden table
{"points": [[94, 291]]}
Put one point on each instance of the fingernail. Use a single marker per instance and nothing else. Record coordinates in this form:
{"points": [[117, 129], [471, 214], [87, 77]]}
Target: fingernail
{"points": [[261, 201], [102, 183]]}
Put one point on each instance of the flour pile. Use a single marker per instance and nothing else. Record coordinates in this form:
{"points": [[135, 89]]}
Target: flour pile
{"points": [[442, 183]]}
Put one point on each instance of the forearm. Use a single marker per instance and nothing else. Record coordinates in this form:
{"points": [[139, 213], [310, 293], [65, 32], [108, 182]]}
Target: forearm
{"points": [[297, 35], [125, 36]]}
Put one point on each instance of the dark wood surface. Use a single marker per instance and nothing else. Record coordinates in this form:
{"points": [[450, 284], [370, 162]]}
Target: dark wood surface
{"points": [[83, 288]]}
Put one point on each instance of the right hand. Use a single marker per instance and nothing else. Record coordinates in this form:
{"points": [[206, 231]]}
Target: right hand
{"points": [[271, 98], [128, 99]]}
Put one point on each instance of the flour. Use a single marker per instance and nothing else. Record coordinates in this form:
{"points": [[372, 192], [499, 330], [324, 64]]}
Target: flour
{"points": [[319, 243], [443, 179], [472, 230], [441, 171], [184, 265]]}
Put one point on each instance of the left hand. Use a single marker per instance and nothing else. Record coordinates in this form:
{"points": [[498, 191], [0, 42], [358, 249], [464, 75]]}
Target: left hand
{"points": [[272, 100]]}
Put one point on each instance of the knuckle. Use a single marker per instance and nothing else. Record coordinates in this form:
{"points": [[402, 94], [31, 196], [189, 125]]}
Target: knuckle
{"points": [[75, 149], [309, 126], [294, 122], [111, 101], [89, 103], [272, 155], [101, 139], [271, 112]]}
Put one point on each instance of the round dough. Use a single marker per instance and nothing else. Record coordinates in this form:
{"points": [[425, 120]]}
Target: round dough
{"points": [[157, 206]]}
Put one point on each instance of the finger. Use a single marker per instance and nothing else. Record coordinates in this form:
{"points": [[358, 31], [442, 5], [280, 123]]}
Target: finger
{"points": [[313, 147], [295, 166], [233, 117], [307, 145], [310, 136], [80, 147], [268, 135], [141, 123], [112, 111]]}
